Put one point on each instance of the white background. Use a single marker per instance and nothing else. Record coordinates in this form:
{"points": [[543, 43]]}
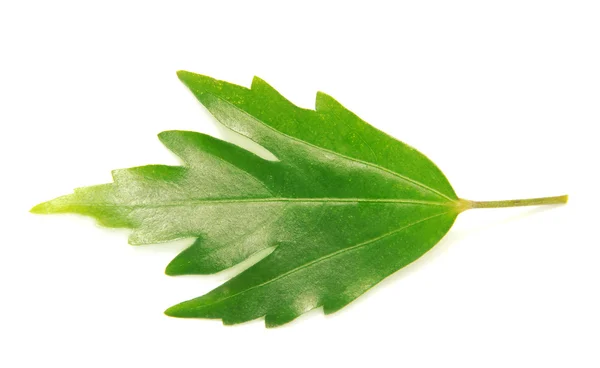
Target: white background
{"points": [[503, 95]]}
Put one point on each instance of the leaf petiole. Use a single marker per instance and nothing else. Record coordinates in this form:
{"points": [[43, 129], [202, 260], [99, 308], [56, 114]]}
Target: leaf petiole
{"points": [[466, 204]]}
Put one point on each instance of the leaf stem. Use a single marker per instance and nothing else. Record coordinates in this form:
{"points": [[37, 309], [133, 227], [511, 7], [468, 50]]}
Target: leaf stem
{"points": [[466, 204]]}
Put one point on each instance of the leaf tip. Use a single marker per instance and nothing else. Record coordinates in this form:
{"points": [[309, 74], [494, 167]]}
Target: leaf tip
{"points": [[182, 264], [178, 311], [165, 136], [181, 74], [45, 208], [258, 82], [172, 311], [40, 209], [323, 102], [174, 269]]}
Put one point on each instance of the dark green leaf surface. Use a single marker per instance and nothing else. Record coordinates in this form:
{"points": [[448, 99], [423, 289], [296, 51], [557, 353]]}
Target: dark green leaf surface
{"points": [[344, 205]]}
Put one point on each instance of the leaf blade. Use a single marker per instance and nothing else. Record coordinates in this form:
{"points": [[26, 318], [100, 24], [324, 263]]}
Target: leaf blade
{"points": [[319, 203]]}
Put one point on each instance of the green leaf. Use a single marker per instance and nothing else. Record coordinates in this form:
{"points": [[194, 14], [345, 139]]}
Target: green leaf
{"points": [[342, 207]]}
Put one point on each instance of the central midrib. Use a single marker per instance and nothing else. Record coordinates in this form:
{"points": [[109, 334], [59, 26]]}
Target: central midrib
{"points": [[193, 202]]}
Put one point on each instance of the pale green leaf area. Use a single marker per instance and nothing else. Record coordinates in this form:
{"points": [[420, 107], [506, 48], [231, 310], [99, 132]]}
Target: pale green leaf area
{"points": [[344, 205]]}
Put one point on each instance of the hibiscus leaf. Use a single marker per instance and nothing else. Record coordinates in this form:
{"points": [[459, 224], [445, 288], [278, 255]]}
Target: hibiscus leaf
{"points": [[343, 206]]}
